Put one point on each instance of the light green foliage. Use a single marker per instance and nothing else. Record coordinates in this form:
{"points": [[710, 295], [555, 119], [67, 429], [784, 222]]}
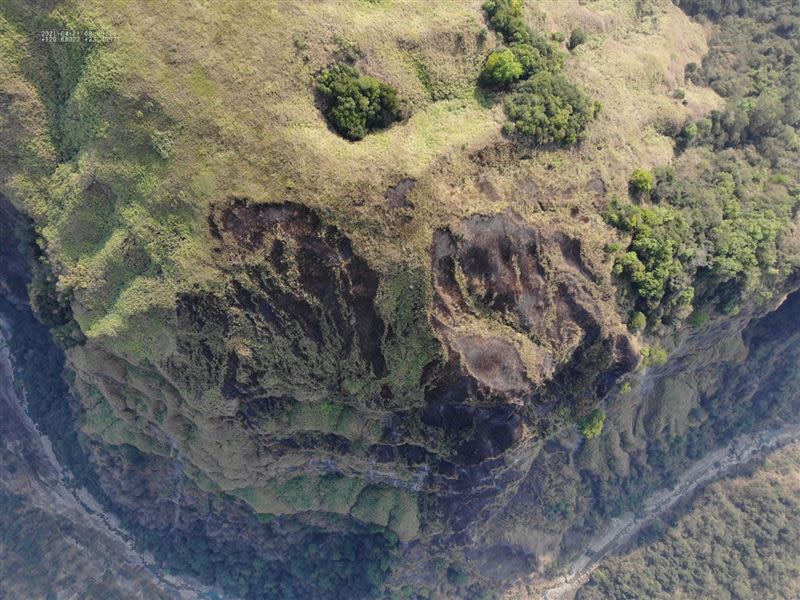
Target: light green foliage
{"points": [[501, 68], [653, 256], [638, 321], [654, 356], [740, 206], [698, 319], [87, 76], [536, 58], [162, 143], [404, 305], [356, 104], [389, 507], [688, 134], [591, 425], [506, 17], [642, 181]]}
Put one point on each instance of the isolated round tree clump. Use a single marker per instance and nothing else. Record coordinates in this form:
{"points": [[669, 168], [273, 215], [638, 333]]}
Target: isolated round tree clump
{"points": [[501, 68]]}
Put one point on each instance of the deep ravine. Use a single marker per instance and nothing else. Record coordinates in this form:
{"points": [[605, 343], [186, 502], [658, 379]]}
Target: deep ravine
{"points": [[30, 468]]}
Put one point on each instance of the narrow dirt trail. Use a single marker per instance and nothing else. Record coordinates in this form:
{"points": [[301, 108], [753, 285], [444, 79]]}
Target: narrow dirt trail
{"points": [[621, 530]]}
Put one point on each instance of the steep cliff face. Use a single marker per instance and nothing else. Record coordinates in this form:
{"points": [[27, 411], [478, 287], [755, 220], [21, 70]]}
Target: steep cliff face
{"points": [[304, 367], [504, 483], [288, 388]]}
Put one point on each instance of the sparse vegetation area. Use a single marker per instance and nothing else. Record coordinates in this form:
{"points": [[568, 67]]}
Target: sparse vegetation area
{"points": [[654, 356]]}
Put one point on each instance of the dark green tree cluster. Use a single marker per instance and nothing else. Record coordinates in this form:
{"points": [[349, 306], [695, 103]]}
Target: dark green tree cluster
{"points": [[576, 38], [654, 260], [339, 566], [717, 9], [39, 370], [709, 237], [542, 105], [356, 104], [549, 109]]}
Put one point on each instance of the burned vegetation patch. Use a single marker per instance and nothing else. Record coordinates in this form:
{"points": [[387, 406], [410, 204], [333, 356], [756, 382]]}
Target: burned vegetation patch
{"points": [[297, 316]]}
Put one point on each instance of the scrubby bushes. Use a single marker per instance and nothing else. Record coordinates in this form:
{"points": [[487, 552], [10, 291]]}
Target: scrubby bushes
{"points": [[576, 38], [549, 109], [356, 104], [543, 105], [505, 17], [592, 424], [642, 181], [638, 321], [501, 68]]}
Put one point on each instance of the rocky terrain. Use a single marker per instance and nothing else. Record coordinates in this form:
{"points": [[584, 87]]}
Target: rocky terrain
{"points": [[423, 358]]}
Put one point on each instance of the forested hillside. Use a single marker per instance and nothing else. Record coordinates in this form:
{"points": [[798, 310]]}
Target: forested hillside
{"points": [[739, 540]]}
